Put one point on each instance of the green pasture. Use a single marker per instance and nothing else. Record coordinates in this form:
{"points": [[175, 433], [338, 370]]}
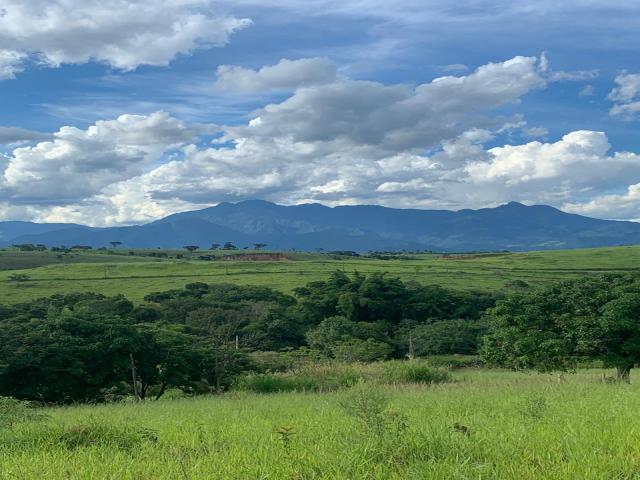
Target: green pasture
{"points": [[485, 425], [136, 275]]}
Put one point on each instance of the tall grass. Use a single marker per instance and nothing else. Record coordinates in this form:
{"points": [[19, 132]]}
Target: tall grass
{"points": [[484, 425], [334, 376]]}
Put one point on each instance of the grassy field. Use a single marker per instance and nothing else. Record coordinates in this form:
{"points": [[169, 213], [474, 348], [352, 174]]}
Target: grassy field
{"points": [[136, 275], [485, 425]]}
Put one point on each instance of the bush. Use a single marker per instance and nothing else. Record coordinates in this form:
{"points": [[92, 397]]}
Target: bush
{"points": [[286, 360], [356, 350], [14, 411], [444, 337], [314, 378], [455, 362], [368, 406], [274, 383], [414, 372]]}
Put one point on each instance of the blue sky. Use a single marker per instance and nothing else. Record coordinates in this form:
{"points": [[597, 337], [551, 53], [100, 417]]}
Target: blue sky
{"points": [[117, 112]]}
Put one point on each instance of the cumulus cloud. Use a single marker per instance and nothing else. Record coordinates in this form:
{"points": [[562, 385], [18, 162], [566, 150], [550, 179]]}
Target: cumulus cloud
{"points": [[285, 75], [119, 33], [394, 117], [624, 205], [341, 142], [79, 163], [626, 96], [579, 164]]}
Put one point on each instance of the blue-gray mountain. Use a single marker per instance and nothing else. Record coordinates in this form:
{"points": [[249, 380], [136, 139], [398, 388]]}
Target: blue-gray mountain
{"points": [[513, 226]]}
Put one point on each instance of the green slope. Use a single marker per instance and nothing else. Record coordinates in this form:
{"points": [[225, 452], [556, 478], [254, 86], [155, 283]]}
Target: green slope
{"points": [[135, 276]]}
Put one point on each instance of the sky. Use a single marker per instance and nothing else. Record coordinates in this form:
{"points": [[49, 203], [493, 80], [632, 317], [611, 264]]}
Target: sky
{"points": [[116, 112]]}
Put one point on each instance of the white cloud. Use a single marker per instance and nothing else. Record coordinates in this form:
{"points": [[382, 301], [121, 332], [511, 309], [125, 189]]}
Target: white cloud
{"points": [[625, 205], [341, 142], [626, 96], [395, 117], [119, 33], [285, 75], [587, 91], [628, 88], [10, 63], [574, 76], [79, 163], [535, 132], [576, 166], [455, 67]]}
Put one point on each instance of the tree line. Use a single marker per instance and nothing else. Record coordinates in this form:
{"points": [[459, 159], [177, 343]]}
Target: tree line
{"points": [[89, 347], [200, 338]]}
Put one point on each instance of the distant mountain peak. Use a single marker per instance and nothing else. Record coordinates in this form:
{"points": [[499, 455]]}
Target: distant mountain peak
{"points": [[513, 205], [512, 226]]}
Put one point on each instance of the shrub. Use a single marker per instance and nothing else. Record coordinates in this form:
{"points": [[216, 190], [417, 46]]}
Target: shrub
{"points": [[414, 372], [444, 337], [286, 360], [275, 382], [534, 406], [312, 378], [356, 350], [455, 362], [14, 411], [368, 406]]}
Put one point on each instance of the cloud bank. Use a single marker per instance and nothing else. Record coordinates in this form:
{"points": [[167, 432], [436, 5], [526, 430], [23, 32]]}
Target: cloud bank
{"points": [[332, 139], [119, 33]]}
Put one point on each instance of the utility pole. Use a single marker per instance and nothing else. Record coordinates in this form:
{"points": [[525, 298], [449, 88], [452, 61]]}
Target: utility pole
{"points": [[134, 377], [410, 355]]}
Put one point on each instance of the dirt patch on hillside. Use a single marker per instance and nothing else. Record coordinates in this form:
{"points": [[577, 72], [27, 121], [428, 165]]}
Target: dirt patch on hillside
{"points": [[256, 257], [472, 256]]}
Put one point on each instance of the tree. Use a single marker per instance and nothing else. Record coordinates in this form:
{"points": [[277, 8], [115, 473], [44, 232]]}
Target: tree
{"points": [[82, 347], [191, 248], [229, 246], [259, 246], [115, 243], [551, 328], [165, 358], [215, 246]]}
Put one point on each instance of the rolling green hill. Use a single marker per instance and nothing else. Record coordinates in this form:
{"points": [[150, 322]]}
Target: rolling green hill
{"points": [[136, 275]]}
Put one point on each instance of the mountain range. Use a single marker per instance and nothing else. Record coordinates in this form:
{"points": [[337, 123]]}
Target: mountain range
{"points": [[513, 227]]}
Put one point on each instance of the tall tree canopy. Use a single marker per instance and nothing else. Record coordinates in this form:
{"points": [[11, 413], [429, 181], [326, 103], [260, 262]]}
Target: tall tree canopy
{"points": [[552, 328]]}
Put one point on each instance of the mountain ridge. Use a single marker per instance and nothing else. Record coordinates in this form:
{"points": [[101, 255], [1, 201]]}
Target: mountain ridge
{"points": [[512, 226]]}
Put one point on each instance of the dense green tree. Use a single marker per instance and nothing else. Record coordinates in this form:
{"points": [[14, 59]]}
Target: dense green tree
{"points": [[551, 328]]}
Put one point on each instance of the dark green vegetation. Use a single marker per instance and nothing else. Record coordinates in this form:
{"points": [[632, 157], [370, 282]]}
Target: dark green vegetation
{"points": [[331, 349], [552, 328], [204, 338], [88, 347]]}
